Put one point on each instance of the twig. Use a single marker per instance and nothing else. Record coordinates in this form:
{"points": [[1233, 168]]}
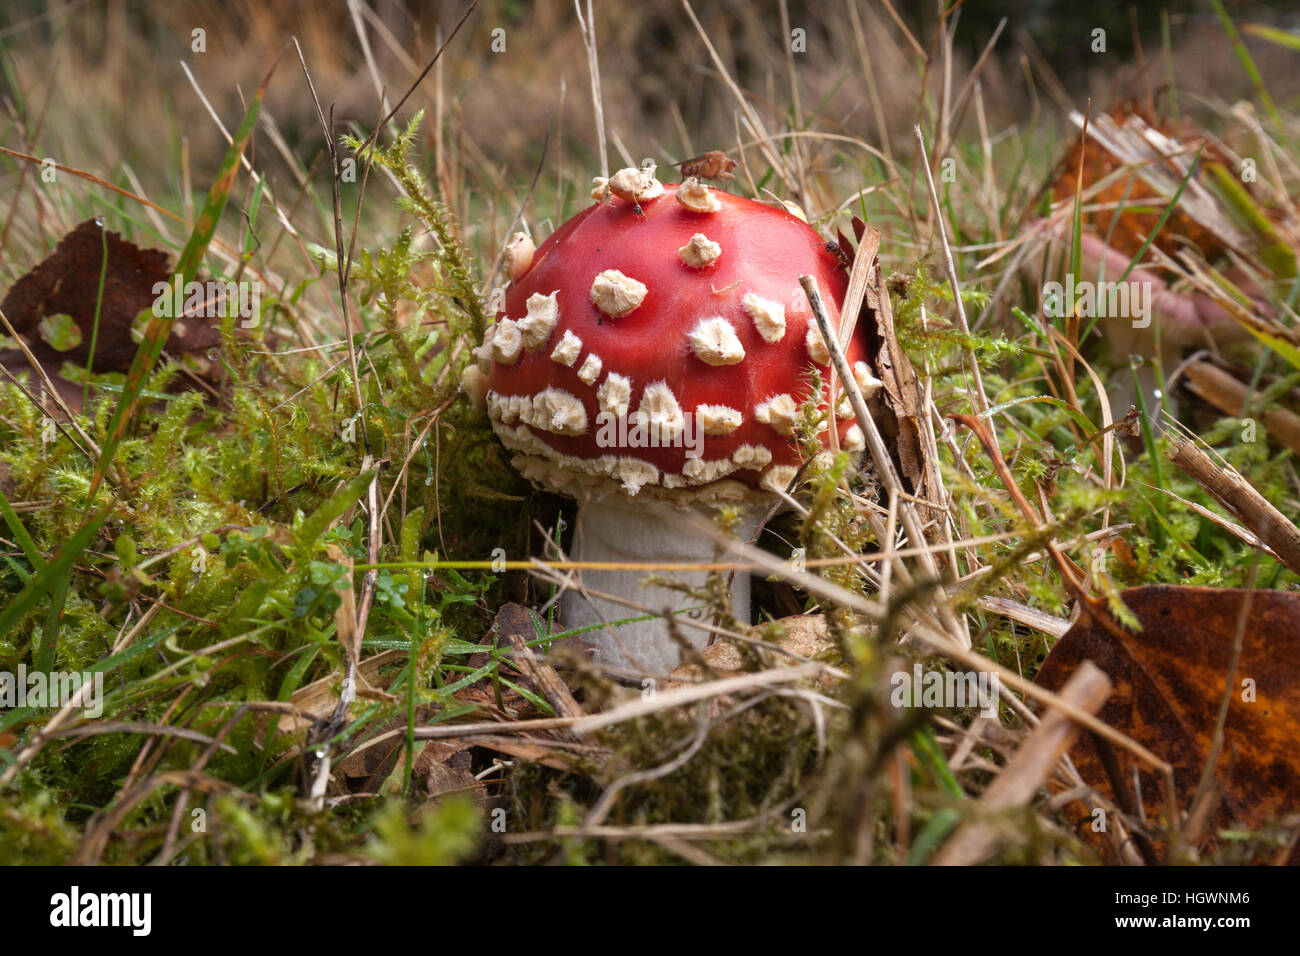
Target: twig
{"points": [[1232, 397], [105, 822], [746, 109], [680, 831], [340, 261], [880, 454], [1227, 486], [605, 804], [512, 622], [136, 727], [679, 696], [1028, 616], [374, 541], [944, 645], [975, 841], [488, 727], [425, 72]]}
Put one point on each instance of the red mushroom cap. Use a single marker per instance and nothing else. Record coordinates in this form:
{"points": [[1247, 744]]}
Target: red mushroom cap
{"points": [[681, 313]]}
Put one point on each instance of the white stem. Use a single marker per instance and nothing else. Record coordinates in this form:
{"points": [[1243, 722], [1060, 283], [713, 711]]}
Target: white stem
{"points": [[614, 528]]}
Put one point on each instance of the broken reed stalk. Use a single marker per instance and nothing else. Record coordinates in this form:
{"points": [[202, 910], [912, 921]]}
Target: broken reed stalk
{"points": [[976, 840], [880, 456], [1232, 397], [1227, 486]]}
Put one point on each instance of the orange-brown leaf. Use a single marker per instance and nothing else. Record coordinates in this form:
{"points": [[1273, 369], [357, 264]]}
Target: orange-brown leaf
{"points": [[1169, 681]]}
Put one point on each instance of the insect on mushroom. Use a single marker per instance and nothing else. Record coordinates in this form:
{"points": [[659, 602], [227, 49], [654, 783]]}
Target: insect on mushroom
{"points": [[659, 361], [835, 249], [715, 164]]}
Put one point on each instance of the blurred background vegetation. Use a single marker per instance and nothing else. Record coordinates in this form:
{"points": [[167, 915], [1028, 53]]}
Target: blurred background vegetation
{"points": [[100, 85]]}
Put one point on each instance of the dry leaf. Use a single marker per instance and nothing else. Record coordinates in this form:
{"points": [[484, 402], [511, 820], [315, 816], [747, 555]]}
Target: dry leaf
{"points": [[445, 768], [1169, 682], [66, 282], [900, 398], [1142, 205], [442, 767]]}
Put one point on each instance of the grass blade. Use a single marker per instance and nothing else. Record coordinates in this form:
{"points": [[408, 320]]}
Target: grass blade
{"points": [[1284, 38], [48, 577], [20, 532], [99, 307], [1164, 217], [187, 267], [1247, 62]]}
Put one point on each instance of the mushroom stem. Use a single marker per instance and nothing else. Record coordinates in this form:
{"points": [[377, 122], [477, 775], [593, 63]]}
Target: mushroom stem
{"points": [[612, 528]]}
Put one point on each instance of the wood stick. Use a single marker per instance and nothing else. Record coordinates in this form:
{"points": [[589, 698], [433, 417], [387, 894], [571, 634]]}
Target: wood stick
{"points": [[1029, 616], [1226, 485], [880, 456], [975, 841], [513, 623], [1230, 396]]}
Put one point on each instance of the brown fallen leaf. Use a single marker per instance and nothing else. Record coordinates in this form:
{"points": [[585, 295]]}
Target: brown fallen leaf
{"points": [[1126, 208], [366, 768], [441, 767], [66, 282], [445, 768], [901, 410], [1169, 683], [516, 625]]}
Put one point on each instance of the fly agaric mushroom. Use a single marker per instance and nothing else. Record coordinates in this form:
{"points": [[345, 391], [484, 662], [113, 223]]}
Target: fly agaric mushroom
{"points": [[659, 346]]}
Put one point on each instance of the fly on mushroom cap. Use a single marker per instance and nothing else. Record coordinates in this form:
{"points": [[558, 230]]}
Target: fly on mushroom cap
{"points": [[706, 306], [659, 345]]}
